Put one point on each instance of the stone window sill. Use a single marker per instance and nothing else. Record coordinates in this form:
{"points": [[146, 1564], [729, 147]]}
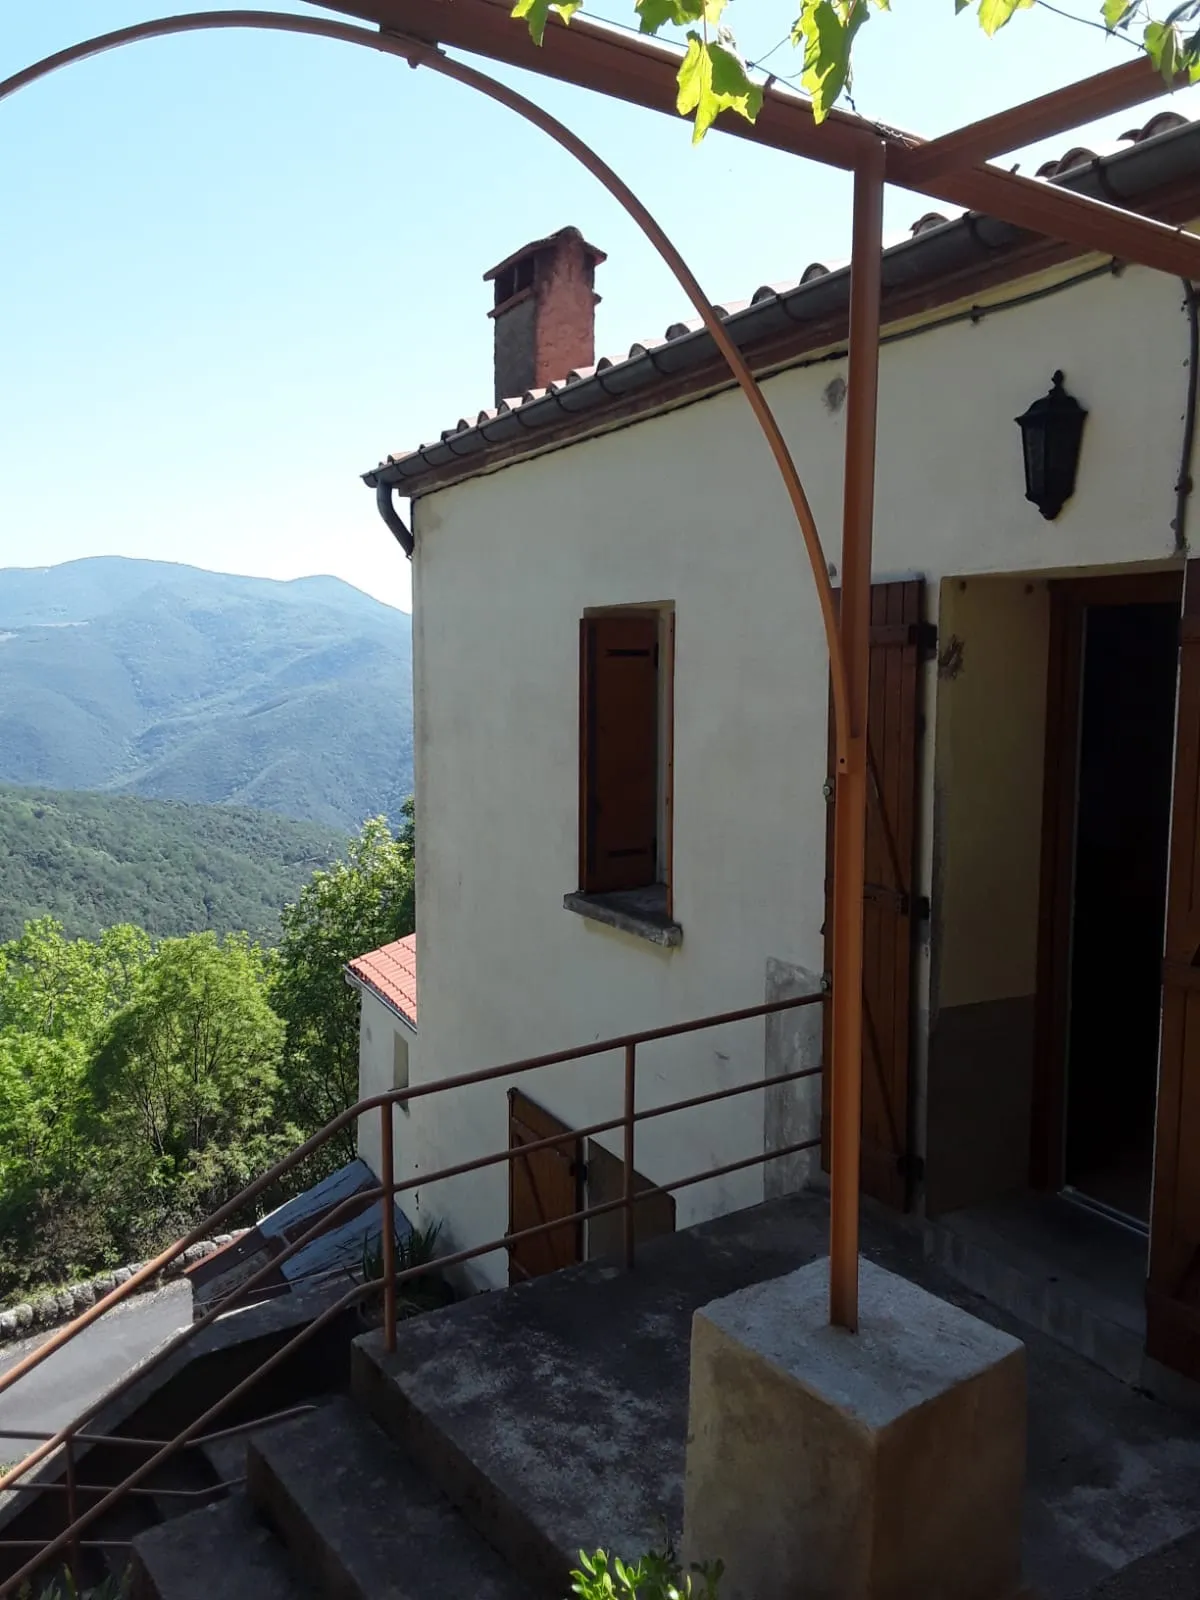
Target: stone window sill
{"points": [[641, 912]]}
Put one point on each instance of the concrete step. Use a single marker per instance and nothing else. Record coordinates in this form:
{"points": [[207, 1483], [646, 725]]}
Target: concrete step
{"points": [[554, 1414], [222, 1549], [225, 1458], [1071, 1274], [362, 1521], [1170, 1574]]}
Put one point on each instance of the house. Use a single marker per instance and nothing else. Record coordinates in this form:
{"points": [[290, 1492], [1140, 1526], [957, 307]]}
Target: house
{"points": [[622, 745], [387, 1030]]}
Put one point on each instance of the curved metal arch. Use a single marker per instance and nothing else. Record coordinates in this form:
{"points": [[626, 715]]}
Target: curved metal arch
{"points": [[419, 53]]}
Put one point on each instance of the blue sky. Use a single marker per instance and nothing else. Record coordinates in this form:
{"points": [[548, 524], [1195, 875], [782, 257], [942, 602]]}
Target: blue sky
{"points": [[238, 268]]}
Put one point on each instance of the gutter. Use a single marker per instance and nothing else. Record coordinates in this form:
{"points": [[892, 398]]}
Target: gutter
{"points": [[1183, 484], [386, 507], [1167, 160]]}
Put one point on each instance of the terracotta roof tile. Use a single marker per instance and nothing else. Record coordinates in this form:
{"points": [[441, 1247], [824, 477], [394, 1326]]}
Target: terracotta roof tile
{"points": [[391, 973], [1072, 159]]}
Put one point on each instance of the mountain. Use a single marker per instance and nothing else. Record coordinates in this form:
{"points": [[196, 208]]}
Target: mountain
{"points": [[165, 681], [90, 860]]}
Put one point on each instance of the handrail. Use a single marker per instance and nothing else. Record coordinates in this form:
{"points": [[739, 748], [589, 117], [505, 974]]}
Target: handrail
{"points": [[268, 1179], [386, 1192], [134, 1442]]}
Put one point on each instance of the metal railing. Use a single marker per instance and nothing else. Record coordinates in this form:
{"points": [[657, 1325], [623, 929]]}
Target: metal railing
{"points": [[74, 1490], [385, 1191]]}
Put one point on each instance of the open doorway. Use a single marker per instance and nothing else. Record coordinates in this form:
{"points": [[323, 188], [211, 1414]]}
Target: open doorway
{"points": [[1111, 738], [1126, 738]]}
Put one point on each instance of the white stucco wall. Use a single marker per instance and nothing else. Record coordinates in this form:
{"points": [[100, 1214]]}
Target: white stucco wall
{"points": [[688, 508], [379, 1028]]}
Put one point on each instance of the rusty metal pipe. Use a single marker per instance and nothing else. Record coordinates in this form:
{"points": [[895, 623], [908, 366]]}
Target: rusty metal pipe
{"points": [[193, 1432], [73, 1552], [344, 1209], [282, 1167], [1118, 89], [352, 1203], [627, 1217], [420, 53], [387, 1178], [850, 780]]}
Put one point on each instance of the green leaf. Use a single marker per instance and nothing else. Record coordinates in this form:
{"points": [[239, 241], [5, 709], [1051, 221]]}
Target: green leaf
{"points": [[1163, 46], [993, 14], [656, 14], [1117, 13], [711, 80], [537, 14], [827, 29]]}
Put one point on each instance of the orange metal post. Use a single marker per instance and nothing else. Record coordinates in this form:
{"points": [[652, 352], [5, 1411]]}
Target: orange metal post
{"points": [[849, 825], [387, 1179], [74, 1556], [630, 1107], [418, 53]]}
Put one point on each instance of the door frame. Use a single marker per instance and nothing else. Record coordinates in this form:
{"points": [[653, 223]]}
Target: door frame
{"points": [[1069, 600]]}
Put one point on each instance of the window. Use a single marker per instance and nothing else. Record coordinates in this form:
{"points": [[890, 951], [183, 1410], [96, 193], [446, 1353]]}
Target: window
{"points": [[625, 760]]}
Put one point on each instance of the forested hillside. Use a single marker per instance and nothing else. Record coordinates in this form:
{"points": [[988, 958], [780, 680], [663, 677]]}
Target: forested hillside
{"points": [[161, 680], [144, 1082], [92, 860]]}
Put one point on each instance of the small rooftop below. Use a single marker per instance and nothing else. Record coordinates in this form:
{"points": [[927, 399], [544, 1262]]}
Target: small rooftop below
{"points": [[390, 973]]}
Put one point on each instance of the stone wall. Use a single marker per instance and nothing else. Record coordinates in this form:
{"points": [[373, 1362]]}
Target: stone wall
{"points": [[57, 1306]]}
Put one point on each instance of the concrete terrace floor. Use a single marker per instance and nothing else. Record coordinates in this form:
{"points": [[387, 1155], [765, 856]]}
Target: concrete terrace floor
{"points": [[562, 1405]]}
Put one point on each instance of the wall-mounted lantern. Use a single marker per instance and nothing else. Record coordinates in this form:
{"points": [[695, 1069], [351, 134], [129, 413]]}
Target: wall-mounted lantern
{"points": [[1051, 434]]}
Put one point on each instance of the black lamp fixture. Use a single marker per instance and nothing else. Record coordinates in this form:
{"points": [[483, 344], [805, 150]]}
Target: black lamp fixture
{"points": [[1051, 434]]}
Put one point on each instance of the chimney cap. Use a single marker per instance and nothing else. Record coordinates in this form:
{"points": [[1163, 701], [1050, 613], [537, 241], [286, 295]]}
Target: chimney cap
{"points": [[534, 245]]}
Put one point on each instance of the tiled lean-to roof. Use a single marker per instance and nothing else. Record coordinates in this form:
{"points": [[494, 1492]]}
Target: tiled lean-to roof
{"points": [[1155, 170], [391, 973]]}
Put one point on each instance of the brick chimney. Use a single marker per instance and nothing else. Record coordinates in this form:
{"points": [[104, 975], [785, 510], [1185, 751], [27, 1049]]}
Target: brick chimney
{"points": [[545, 312]]}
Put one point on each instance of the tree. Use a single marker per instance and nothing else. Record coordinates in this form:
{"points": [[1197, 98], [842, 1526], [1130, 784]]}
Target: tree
{"points": [[360, 903], [59, 988], [183, 1081], [714, 78], [56, 997]]}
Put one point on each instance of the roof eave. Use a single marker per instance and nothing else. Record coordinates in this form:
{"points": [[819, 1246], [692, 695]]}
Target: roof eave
{"points": [[1124, 179]]}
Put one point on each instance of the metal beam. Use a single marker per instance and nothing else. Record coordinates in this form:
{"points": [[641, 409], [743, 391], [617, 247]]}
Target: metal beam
{"points": [[1131, 84], [1061, 214], [642, 72], [850, 777]]}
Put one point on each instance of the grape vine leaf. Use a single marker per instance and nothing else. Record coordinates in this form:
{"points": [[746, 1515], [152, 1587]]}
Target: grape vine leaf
{"points": [[713, 79]]}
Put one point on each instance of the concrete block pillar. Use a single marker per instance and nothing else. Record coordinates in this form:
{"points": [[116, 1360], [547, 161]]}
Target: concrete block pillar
{"points": [[883, 1465]]}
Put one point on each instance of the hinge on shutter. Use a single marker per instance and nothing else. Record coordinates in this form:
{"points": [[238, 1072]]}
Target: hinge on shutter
{"points": [[579, 1169], [881, 894], [925, 636]]}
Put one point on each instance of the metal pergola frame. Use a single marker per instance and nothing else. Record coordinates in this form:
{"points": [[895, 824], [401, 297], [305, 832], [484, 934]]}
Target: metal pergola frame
{"points": [[955, 169]]}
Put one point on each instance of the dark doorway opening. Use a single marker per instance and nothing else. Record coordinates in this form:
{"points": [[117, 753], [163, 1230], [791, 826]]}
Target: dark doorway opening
{"points": [[1121, 821]]}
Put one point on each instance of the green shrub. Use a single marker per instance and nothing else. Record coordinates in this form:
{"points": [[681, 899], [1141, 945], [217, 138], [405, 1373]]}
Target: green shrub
{"points": [[428, 1290], [65, 1588], [416, 1249], [657, 1576]]}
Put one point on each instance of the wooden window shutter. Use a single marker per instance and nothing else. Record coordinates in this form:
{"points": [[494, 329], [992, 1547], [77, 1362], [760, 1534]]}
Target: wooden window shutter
{"points": [[889, 903], [543, 1186], [618, 752], [1173, 1288]]}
